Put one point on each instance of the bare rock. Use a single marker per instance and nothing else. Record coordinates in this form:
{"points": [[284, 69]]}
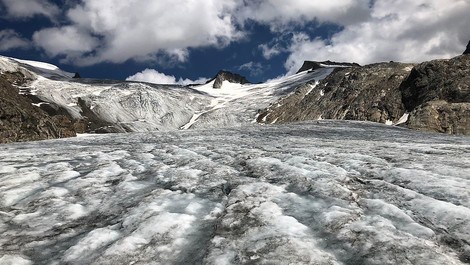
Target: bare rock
{"points": [[447, 80], [21, 121], [467, 51], [438, 95], [228, 76], [441, 116], [313, 65], [358, 93]]}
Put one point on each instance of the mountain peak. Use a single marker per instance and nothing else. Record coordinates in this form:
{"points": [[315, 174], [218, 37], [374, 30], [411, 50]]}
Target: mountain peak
{"points": [[228, 76], [467, 51], [313, 65]]}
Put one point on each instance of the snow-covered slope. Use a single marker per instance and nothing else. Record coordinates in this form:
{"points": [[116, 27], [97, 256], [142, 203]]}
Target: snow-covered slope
{"points": [[45, 69], [131, 106], [127, 106], [235, 104], [327, 192]]}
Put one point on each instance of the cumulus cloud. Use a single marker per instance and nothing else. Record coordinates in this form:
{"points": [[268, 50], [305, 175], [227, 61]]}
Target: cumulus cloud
{"points": [[9, 39], [153, 76], [399, 30], [30, 8], [141, 28], [165, 31], [66, 40]]}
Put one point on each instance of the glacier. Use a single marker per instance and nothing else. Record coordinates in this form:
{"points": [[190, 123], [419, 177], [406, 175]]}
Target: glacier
{"points": [[141, 107], [320, 192]]}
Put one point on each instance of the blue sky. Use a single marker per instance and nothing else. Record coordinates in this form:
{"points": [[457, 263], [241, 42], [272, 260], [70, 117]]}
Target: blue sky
{"points": [[180, 41]]}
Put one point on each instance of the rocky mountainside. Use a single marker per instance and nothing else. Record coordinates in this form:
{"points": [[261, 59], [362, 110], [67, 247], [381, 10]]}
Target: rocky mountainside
{"points": [[230, 77], [354, 93], [467, 51], [437, 95], [431, 96], [20, 120], [313, 65]]}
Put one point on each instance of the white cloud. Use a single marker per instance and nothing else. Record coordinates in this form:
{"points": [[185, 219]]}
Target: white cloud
{"points": [[141, 28], [270, 51], [9, 39], [255, 69], [66, 40], [153, 76], [399, 30], [279, 14], [30, 8], [165, 31]]}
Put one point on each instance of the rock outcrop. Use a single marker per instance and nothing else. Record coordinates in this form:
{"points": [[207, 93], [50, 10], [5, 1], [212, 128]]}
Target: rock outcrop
{"points": [[22, 121], [228, 76], [467, 51], [358, 93], [441, 116], [437, 93], [313, 65]]}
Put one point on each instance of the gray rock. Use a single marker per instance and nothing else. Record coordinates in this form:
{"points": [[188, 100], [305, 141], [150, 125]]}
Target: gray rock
{"points": [[438, 95], [313, 65], [22, 121], [447, 80], [228, 76], [441, 116], [467, 51], [358, 93]]}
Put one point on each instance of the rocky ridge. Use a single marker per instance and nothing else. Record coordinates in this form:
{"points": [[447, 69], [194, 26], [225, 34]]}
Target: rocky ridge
{"points": [[346, 94], [313, 65], [467, 51], [437, 95], [20, 120], [431, 96], [228, 76]]}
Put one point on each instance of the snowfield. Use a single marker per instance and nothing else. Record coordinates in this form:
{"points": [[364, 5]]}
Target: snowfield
{"points": [[324, 192]]}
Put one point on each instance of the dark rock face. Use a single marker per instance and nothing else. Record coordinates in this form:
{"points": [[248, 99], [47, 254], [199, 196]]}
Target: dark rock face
{"points": [[228, 76], [312, 65], [447, 80], [359, 93], [441, 116], [21, 121], [438, 94], [467, 51]]}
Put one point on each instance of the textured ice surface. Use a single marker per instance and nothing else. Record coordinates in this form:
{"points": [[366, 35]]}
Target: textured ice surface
{"points": [[326, 192]]}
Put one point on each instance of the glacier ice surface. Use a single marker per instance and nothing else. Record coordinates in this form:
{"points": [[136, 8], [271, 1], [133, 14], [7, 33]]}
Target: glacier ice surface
{"points": [[322, 192]]}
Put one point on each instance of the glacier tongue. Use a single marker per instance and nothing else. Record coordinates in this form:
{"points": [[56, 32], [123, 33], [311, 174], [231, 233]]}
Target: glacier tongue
{"points": [[326, 192]]}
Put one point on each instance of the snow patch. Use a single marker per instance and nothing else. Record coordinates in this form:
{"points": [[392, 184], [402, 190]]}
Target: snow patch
{"points": [[403, 119]]}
